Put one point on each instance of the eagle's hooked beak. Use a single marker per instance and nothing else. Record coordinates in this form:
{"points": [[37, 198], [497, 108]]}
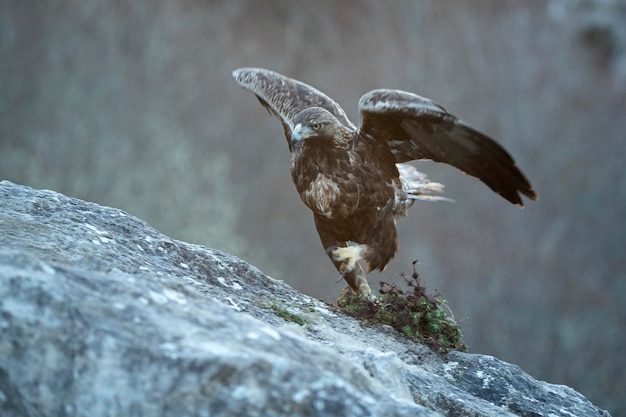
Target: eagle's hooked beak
{"points": [[297, 134]]}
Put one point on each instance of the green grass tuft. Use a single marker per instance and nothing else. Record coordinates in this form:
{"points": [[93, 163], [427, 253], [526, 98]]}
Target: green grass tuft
{"points": [[415, 314], [286, 315]]}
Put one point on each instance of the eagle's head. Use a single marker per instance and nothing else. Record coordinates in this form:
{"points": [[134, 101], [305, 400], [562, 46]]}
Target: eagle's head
{"points": [[316, 123]]}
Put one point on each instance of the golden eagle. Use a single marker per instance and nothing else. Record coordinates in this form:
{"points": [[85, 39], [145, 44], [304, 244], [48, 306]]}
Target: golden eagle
{"points": [[356, 181]]}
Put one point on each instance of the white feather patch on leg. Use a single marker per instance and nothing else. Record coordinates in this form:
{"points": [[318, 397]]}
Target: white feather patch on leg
{"points": [[349, 256]]}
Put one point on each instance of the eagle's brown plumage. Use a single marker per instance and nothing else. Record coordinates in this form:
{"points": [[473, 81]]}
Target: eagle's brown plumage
{"points": [[356, 181]]}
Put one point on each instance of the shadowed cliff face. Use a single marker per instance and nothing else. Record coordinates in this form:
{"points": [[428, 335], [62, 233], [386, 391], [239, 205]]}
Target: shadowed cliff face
{"points": [[103, 315]]}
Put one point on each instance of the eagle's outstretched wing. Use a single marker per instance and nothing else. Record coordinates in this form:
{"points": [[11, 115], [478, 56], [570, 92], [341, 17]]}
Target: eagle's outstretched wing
{"points": [[416, 128], [285, 97]]}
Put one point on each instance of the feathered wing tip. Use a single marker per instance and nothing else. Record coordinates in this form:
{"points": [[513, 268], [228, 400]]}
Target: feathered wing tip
{"points": [[285, 96], [417, 128]]}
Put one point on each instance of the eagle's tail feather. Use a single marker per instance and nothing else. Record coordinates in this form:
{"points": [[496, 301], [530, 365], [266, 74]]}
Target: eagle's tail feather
{"points": [[428, 197], [415, 186]]}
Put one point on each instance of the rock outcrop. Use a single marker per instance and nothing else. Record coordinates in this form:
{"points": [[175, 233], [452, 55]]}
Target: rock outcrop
{"points": [[102, 315]]}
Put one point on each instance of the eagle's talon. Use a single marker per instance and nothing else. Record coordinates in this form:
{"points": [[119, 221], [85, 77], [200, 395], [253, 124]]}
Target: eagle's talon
{"points": [[371, 297]]}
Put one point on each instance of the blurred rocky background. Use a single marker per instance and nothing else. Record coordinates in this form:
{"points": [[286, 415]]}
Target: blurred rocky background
{"points": [[132, 105]]}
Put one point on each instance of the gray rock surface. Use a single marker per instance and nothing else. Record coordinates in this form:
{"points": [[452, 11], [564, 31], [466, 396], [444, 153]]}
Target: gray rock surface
{"points": [[102, 315]]}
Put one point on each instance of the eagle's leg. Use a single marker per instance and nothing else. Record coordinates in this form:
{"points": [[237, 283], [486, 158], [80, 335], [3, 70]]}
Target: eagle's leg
{"points": [[346, 260]]}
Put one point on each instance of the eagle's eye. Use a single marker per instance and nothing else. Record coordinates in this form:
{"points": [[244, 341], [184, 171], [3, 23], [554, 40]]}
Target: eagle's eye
{"points": [[316, 126]]}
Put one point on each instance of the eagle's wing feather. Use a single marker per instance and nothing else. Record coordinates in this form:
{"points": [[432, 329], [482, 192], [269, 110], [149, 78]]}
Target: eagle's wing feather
{"points": [[286, 97], [416, 128]]}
